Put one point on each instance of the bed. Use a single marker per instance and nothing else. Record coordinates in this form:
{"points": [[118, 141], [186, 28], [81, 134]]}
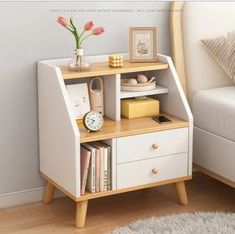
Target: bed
{"points": [[210, 92]]}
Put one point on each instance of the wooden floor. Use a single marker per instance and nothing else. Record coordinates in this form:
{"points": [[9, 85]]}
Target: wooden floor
{"points": [[104, 214]]}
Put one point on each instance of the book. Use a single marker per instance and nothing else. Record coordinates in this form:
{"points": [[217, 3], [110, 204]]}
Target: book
{"points": [[101, 165], [109, 166], [85, 161], [104, 170], [109, 173], [91, 172], [97, 168]]}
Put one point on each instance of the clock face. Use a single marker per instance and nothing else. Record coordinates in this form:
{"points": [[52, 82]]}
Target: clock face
{"points": [[93, 120]]}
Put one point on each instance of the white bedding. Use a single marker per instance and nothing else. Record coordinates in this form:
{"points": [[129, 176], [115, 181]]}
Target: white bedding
{"points": [[214, 111], [203, 20]]}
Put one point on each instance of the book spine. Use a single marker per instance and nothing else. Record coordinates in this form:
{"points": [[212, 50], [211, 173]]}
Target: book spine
{"points": [[83, 185], [105, 171], [93, 174], [101, 170], [109, 179], [97, 170], [85, 162]]}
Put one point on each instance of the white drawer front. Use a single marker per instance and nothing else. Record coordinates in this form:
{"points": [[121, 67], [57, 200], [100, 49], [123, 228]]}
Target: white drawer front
{"points": [[152, 144], [141, 172]]}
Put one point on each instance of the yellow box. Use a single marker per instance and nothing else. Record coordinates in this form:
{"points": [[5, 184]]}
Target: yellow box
{"points": [[133, 108]]}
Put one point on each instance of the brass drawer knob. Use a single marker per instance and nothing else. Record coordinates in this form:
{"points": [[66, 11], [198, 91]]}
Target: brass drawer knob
{"points": [[154, 171], [155, 146]]}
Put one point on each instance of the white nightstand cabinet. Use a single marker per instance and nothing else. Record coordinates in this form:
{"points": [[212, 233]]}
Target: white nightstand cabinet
{"points": [[144, 153]]}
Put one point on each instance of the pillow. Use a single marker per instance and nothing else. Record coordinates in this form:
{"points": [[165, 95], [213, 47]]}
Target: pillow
{"points": [[222, 49]]}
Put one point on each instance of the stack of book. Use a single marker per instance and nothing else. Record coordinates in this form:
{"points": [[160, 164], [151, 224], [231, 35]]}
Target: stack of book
{"points": [[95, 167]]}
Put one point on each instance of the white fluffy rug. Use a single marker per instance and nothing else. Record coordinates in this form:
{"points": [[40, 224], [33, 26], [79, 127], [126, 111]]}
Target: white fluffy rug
{"points": [[187, 223]]}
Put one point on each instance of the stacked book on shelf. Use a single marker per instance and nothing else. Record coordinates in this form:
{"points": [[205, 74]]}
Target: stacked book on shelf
{"points": [[96, 174]]}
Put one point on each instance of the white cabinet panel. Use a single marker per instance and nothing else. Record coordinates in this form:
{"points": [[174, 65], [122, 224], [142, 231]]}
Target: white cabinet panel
{"points": [[142, 172], [150, 145]]}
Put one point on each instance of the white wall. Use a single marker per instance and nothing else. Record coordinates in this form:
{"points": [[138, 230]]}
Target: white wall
{"points": [[28, 33]]}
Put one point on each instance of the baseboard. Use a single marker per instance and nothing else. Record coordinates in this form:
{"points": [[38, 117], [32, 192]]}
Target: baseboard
{"points": [[24, 197]]}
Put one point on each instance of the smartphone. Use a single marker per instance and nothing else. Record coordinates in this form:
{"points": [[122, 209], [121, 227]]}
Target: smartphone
{"points": [[161, 119]]}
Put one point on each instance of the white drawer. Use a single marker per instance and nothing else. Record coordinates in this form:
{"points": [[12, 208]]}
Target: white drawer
{"points": [[141, 172], [150, 145]]}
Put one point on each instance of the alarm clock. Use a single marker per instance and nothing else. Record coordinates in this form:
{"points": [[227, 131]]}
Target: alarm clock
{"points": [[93, 121]]}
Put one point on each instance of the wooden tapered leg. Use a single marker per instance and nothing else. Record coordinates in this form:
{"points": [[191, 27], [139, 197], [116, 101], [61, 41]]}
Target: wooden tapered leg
{"points": [[181, 192], [49, 192], [81, 213]]}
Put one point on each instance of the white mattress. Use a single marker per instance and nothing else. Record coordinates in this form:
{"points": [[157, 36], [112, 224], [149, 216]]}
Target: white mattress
{"points": [[214, 111]]}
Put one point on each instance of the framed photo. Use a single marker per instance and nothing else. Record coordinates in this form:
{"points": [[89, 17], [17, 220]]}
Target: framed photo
{"points": [[79, 98], [143, 44]]}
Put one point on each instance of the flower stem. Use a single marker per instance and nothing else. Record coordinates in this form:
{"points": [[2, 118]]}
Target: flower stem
{"points": [[77, 41], [77, 60], [85, 38], [75, 33], [82, 34]]}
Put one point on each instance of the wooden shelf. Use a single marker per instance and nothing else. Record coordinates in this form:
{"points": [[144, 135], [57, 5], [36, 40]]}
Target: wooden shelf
{"points": [[102, 69], [88, 195], [128, 127], [157, 90]]}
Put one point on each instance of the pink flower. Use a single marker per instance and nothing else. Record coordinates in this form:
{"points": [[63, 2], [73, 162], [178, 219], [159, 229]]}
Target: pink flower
{"points": [[88, 26], [97, 31], [64, 22]]}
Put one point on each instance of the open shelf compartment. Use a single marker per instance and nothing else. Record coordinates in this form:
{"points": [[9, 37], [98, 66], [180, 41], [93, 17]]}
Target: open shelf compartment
{"points": [[158, 90]]}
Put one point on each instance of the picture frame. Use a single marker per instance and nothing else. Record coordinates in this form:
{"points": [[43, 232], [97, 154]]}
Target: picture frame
{"points": [[143, 44], [79, 98]]}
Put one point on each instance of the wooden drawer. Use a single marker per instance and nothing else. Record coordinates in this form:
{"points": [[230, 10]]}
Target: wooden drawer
{"points": [[142, 172], [150, 145]]}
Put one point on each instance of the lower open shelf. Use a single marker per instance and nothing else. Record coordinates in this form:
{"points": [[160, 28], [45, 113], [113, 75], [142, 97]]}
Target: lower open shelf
{"points": [[128, 127], [88, 196]]}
